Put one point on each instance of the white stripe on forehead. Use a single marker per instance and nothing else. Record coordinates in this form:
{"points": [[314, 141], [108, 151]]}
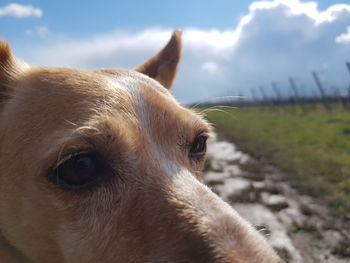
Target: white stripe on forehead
{"points": [[134, 88]]}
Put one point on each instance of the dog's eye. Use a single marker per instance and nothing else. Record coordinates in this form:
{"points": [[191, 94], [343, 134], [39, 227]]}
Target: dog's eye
{"points": [[199, 146], [79, 170]]}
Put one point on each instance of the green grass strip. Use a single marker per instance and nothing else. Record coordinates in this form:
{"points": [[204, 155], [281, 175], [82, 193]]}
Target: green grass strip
{"points": [[313, 149]]}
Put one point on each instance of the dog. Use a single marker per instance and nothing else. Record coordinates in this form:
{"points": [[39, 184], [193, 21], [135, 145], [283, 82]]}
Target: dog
{"points": [[105, 166]]}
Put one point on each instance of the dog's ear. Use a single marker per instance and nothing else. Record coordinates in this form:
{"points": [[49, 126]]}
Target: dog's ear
{"points": [[9, 70], [163, 66]]}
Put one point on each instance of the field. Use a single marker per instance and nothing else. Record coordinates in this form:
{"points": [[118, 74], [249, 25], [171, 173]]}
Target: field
{"points": [[313, 149]]}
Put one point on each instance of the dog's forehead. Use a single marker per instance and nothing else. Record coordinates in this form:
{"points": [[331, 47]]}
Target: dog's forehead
{"points": [[115, 85], [137, 85], [154, 104], [114, 90]]}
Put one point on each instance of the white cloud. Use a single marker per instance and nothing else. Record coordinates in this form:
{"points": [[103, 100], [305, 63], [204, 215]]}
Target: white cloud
{"points": [[88, 53], [210, 67], [40, 31], [214, 41], [118, 45], [309, 9], [344, 38], [275, 40], [20, 11]]}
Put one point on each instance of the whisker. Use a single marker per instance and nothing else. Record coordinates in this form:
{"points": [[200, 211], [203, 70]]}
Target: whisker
{"points": [[211, 110], [223, 106], [70, 122], [216, 98], [222, 109]]}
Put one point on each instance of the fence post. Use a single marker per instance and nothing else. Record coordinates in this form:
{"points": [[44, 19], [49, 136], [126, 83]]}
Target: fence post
{"points": [[348, 97], [265, 100], [322, 91], [278, 95]]}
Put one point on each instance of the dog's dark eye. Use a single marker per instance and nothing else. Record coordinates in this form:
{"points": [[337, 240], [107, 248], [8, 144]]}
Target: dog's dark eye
{"points": [[79, 170], [199, 146]]}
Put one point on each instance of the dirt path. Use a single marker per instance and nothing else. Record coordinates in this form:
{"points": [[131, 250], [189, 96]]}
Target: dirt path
{"points": [[295, 225]]}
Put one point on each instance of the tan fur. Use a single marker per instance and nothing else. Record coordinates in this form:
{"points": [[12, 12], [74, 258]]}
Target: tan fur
{"points": [[153, 208], [163, 66], [8, 70]]}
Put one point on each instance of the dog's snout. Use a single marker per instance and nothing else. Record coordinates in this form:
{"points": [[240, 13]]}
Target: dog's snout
{"points": [[212, 229]]}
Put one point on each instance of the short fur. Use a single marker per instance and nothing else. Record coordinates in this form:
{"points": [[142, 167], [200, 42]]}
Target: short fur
{"points": [[153, 209]]}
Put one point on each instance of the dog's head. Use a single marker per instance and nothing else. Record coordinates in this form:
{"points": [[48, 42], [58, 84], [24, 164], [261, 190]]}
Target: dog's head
{"points": [[104, 166]]}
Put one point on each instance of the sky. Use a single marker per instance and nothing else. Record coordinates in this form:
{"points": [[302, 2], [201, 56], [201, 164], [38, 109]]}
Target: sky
{"points": [[230, 47]]}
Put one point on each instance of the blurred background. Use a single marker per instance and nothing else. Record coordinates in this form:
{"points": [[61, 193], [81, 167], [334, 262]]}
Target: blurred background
{"points": [[230, 47], [272, 76]]}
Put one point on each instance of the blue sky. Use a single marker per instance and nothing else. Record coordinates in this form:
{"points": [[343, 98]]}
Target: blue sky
{"points": [[84, 18], [230, 46]]}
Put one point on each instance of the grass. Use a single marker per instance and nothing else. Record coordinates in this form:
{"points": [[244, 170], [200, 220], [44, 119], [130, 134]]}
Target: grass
{"points": [[312, 149]]}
